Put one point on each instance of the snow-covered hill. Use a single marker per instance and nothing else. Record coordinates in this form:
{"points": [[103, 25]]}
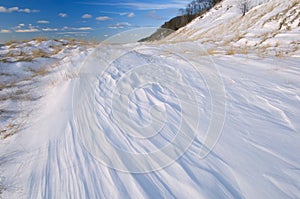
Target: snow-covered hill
{"points": [[23, 66], [193, 116], [271, 27]]}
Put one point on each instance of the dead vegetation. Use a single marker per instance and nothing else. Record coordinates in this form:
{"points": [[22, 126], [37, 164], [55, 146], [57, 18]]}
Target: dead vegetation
{"points": [[17, 54], [42, 71], [19, 93], [9, 130], [10, 42], [19, 51], [230, 52], [22, 56], [18, 89]]}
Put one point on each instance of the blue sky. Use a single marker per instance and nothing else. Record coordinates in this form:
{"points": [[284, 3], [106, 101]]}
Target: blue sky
{"points": [[89, 19]]}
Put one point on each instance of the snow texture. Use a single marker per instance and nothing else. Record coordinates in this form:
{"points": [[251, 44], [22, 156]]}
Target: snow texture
{"points": [[68, 115]]}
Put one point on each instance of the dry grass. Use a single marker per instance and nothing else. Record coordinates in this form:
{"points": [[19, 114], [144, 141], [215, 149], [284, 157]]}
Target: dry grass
{"points": [[12, 46], [284, 17], [244, 50], [9, 85], [40, 39], [9, 130], [42, 71], [261, 53], [10, 42], [280, 53], [238, 37], [72, 41], [17, 90], [23, 57], [230, 52], [12, 54], [39, 54], [18, 55], [19, 95], [56, 49], [211, 51]]}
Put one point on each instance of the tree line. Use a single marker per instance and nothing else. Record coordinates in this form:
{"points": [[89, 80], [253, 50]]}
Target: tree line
{"points": [[197, 6]]}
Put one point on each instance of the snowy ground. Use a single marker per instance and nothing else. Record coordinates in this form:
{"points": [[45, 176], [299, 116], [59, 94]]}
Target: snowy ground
{"points": [[82, 117], [270, 27]]}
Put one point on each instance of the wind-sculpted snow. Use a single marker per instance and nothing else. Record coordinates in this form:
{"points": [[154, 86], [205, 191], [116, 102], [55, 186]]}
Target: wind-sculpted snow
{"points": [[74, 145], [140, 112], [155, 121]]}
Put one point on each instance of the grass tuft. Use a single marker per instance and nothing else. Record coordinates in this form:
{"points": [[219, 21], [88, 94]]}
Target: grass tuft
{"points": [[230, 52]]}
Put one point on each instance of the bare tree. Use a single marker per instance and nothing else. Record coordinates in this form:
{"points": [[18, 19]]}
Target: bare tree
{"points": [[194, 4], [189, 9], [197, 6], [181, 12], [244, 6]]}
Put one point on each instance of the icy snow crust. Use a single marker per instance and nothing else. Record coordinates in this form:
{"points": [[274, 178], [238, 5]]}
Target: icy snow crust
{"points": [[138, 98]]}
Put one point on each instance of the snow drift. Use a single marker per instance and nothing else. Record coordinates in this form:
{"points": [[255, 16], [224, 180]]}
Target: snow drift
{"points": [[57, 155]]}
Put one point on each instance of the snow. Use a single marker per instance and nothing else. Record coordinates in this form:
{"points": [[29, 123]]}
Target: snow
{"points": [[264, 24], [179, 118]]}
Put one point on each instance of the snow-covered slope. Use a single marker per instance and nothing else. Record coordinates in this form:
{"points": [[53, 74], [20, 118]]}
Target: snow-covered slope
{"points": [[23, 66], [270, 27], [137, 120]]}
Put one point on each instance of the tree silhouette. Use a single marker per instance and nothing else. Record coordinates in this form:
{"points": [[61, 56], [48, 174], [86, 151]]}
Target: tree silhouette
{"points": [[196, 7], [244, 6]]}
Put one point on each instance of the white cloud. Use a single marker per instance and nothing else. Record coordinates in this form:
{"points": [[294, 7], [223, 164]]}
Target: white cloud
{"points": [[66, 28], [86, 16], [82, 28], [175, 4], [120, 25], [50, 29], [22, 29], [2, 9], [5, 31], [103, 18], [72, 33], [130, 15], [152, 6], [85, 28], [115, 13], [13, 9], [31, 26], [63, 15], [43, 22], [16, 9], [26, 10], [27, 30]]}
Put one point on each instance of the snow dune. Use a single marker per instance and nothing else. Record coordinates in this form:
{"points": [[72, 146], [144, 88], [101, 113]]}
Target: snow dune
{"points": [[162, 120], [270, 27]]}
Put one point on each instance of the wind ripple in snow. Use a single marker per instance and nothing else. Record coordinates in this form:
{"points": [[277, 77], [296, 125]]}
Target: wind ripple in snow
{"points": [[140, 112]]}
